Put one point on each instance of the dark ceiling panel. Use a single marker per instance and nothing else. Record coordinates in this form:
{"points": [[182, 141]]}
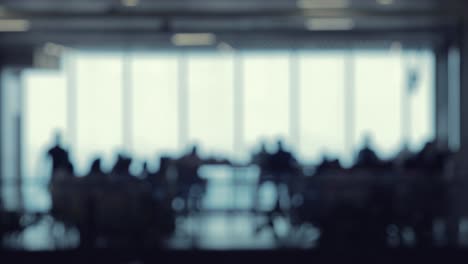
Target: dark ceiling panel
{"points": [[239, 18]]}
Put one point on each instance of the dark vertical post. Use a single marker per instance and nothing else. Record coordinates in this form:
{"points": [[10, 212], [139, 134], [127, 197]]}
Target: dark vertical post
{"points": [[19, 137], [2, 105], [72, 100], [127, 101], [405, 118], [349, 104], [454, 98], [457, 194], [238, 104], [183, 101], [442, 97], [464, 89], [294, 100]]}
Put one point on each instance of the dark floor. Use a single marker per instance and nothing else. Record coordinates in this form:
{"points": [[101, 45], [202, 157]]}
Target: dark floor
{"points": [[276, 256]]}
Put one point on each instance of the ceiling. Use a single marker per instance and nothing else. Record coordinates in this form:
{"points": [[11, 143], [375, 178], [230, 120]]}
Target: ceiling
{"points": [[237, 22]]}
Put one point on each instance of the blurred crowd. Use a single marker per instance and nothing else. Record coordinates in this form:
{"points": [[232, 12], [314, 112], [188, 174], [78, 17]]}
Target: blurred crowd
{"points": [[373, 203]]}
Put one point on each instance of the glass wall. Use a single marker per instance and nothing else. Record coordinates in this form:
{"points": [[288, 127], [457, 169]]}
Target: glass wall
{"points": [[226, 102], [44, 114], [379, 83], [211, 103], [322, 101], [266, 98], [421, 100], [99, 108], [154, 111]]}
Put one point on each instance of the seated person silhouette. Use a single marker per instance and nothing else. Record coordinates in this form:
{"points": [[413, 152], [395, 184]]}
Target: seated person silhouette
{"points": [[60, 160], [367, 156], [145, 172], [328, 164], [283, 167], [96, 174], [121, 169], [261, 159], [188, 165], [189, 183], [159, 179], [403, 157], [430, 157], [282, 163]]}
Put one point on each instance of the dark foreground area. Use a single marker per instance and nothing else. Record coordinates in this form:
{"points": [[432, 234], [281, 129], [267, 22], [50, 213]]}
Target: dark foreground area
{"points": [[271, 256]]}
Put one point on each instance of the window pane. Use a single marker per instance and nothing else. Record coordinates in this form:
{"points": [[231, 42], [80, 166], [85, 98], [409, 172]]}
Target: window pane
{"points": [[422, 101], [266, 97], [378, 95], [99, 108], [322, 105], [155, 110], [210, 96], [44, 114]]}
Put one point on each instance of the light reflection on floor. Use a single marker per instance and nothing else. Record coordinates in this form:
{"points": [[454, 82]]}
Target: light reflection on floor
{"points": [[213, 228]]}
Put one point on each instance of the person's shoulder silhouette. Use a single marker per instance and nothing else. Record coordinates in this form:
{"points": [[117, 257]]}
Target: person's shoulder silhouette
{"points": [[367, 156], [58, 154], [282, 159], [260, 157], [96, 166]]}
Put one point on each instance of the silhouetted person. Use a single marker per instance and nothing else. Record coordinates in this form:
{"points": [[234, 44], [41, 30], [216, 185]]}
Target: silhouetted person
{"points": [[402, 158], [283, 168], [328, 165], [60, 158], [145, 171], [367, 156], [189, 183], [261, 158], [429, 191], [282, 164], [159, 180], [187, 167], [430, 158], [121, 169], [96, 175], [96, 167]]}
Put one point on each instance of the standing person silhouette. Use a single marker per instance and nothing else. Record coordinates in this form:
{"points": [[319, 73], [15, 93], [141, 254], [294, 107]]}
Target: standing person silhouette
{"points": [[61, 164], [190, 186]]}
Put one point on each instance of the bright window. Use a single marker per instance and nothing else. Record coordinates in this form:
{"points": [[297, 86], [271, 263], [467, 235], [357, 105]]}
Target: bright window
{"points": [[99, 108]]}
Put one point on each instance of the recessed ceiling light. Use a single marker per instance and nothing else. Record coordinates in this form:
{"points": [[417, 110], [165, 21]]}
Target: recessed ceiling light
{"points": [[309, 4], [130, 3], [324, 24], [14, 25], [385, 2], [193, 39]]}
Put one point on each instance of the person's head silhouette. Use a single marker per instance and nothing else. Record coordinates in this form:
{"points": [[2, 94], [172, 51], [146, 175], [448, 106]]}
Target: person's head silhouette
{"points": [[96, 165], [194, 150], [263, 147], [367, 140], [280, 145], [164, 163]]}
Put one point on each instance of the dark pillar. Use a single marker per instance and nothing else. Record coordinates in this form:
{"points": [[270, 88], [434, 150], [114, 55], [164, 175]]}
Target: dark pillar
{"points": [[464, 90], [458, 197], [183, 102], [442, 96]]}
